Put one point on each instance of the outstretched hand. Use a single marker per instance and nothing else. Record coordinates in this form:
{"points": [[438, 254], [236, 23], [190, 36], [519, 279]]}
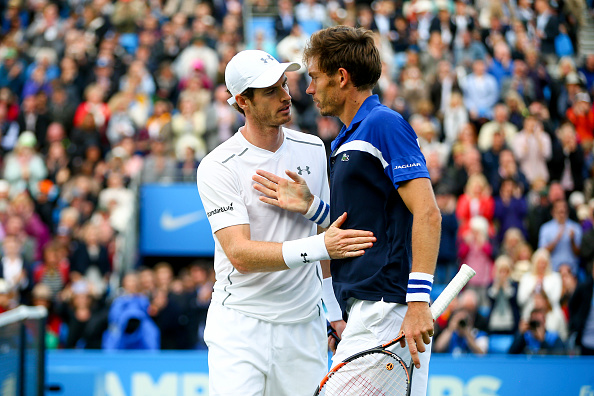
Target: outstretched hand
{"points": [[293, 196], [347, 243]]}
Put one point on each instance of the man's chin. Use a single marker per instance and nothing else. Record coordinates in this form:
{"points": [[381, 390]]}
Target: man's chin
{"points": [[285, 120]]}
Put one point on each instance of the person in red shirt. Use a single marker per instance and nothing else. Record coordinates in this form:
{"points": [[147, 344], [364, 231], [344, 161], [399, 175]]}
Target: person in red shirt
{"points": [[581, 115], [477, 200]]}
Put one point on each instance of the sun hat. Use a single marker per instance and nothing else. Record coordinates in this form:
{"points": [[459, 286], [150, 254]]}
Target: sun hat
{"points": [[254, 69], [27, 139]]}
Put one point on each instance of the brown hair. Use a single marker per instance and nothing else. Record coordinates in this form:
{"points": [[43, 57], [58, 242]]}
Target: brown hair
{"points": [[249, 94], [345, 47]]}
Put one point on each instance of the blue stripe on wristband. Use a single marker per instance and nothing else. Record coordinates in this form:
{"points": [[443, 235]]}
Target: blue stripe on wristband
{"points": [[325, 214], [411, 290], [420, 282], [318, 210]]}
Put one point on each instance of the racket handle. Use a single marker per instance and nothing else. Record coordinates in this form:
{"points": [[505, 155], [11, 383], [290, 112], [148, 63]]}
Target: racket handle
{"points": [[451, 290], [332, 333]]}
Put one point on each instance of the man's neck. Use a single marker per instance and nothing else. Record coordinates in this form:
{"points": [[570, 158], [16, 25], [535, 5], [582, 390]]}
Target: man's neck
{"points": [[353, 103], [266, 138]]}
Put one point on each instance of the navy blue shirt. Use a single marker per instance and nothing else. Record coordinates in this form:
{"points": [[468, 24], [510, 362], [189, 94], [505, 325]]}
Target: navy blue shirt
{"points": [[369, 160]]}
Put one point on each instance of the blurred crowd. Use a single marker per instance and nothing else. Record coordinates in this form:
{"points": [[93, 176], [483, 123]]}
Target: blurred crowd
{"points": [[98, 97]]}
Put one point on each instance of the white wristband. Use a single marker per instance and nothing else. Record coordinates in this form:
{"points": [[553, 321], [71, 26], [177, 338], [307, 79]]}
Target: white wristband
{"points": [[304, 251], [319, 212], [419, 287], [333, 311]]}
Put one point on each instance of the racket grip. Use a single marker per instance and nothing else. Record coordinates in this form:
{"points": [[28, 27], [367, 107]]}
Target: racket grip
{"points": [[451, 290], [332, 333]]}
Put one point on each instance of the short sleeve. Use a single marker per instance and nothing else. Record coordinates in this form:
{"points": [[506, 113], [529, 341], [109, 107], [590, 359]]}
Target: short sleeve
{"points": [[221, 197], [399, 146]]}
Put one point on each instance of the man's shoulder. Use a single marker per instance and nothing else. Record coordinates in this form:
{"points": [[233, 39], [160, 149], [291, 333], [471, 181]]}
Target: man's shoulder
{"points": [[381, 110], [576, 226], [223, 151], [382, 117], [384, 124], [221, 156], [549, 225]]}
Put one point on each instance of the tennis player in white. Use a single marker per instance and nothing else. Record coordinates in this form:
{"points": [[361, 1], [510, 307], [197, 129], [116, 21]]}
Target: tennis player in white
{"points": [[266, 327]]}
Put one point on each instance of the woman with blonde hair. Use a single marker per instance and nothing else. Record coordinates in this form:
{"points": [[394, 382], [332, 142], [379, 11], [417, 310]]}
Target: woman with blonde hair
{"points": [[541, 278], [190, 120], [476, 201], [504, 313], [513, 239], [517, 108]]}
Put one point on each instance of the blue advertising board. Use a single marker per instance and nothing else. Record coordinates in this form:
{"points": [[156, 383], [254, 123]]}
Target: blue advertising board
{"points": [[166, 373], [173, 221], [260, 34]]}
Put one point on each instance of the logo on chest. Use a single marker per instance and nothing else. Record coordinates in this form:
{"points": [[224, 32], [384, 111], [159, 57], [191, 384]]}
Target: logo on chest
{"points": [[300, 171], [345, 157]]}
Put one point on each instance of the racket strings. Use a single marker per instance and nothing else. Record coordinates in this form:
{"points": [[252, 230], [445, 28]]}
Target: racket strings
{"points": [[373, 374]]}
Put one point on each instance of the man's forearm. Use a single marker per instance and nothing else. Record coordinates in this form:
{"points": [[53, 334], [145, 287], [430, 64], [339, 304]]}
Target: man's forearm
{"points": [[256, 256], [426, 232]]}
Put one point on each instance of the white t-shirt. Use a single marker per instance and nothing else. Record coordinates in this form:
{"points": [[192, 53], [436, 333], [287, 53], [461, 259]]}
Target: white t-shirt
{"points": [[225, 185]]}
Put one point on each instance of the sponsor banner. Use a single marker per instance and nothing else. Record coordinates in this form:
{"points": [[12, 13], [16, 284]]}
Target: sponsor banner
{"points": [[177, 373], [407, 166], [173, 221]]}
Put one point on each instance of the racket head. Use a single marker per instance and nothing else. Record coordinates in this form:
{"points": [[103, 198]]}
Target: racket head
{"points": [[375, 372]]}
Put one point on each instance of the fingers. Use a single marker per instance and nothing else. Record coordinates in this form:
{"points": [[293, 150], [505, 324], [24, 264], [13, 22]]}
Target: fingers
{"points": [[347, 248], [264, 182], [270, 176], [366, 235], [295, 176], [403, 343], [270, 201], [266, 191], [414, 352], [360, 246], [357, 236], [427, 338], [339, 221], [354, 253]]}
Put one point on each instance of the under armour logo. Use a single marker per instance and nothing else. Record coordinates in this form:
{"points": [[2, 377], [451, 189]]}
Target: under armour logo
{"points": [[265, 60], [300, 171], [304, 255]]}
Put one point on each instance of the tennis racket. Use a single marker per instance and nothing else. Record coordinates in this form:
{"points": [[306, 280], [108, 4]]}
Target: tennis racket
{"points": [[377, 371]]}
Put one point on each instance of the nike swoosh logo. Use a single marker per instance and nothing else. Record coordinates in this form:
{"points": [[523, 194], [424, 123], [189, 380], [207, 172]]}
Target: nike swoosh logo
{"points": [[170, 223]]}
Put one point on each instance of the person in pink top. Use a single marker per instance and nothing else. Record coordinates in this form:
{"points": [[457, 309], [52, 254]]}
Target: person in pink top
{"points": [[476, 250]]}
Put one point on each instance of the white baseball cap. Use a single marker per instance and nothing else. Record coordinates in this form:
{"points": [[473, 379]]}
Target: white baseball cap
{"points": [[254, 69]]}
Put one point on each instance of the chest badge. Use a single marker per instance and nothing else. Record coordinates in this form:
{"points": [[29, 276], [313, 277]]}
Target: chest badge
{"points": [[300, 171], [345, 157]]}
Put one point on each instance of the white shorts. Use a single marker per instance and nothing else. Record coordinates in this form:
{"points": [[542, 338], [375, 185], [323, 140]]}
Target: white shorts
{"points": [[372, 323], [251, 357]]}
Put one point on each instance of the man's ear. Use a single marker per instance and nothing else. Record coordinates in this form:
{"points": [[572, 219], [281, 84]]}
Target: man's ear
{"points": [[344, 77], [241, 101]]}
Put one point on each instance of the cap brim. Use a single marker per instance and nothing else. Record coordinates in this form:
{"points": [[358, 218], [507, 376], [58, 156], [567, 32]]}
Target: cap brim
{"points": [[270, 77]]}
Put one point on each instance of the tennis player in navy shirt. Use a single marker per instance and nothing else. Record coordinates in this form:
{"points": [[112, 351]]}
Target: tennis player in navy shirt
{"points": [[378, 176]]}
